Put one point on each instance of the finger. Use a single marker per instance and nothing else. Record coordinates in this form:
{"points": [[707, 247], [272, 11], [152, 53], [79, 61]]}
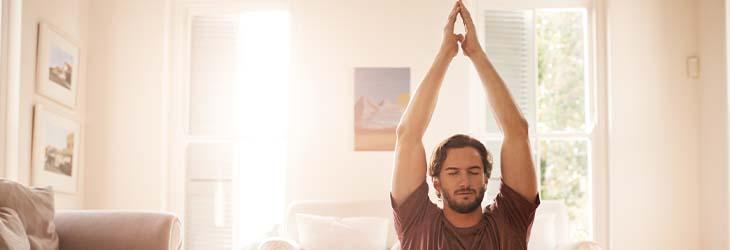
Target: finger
{"points": [[452, 17], [464, 10], [454, 11], [465, 16]]}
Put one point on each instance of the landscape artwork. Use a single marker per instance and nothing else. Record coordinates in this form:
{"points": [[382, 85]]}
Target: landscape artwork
{"points": [[381, 97]]}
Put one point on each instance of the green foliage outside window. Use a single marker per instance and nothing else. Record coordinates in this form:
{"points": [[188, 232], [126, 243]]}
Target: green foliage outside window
{"points": [[561, 108]]}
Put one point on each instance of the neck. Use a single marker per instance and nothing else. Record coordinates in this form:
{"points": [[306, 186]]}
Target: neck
{"points": [[463, 220]]}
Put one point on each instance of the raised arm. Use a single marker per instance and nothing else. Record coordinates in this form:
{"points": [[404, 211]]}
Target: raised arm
{"points": [[410, 157], [518, 170]]}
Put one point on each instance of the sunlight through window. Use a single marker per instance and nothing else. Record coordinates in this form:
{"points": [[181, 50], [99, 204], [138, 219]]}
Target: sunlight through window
{"points": [[262, 83]]}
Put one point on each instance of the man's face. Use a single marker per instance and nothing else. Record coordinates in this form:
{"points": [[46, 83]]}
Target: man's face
{"points": [[462, 182]]}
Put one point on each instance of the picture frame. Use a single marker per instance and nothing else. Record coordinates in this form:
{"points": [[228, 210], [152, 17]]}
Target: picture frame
{"points": [[381, 97], [55, 151], [57, 69]]}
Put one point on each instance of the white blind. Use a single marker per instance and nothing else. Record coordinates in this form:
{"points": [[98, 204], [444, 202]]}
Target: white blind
{"points": [[509, 41], [213, 41], [209, 203], [510, 44], [209, 215], [237, 110]]}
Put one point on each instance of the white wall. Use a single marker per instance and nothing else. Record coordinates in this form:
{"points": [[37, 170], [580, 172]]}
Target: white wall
{"points": [[71, 19], [124, 112], [654, 110], [714, 126], [327, 48]]}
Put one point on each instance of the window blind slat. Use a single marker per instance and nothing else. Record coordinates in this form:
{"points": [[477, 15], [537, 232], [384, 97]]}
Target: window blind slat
{"points": [[509, 42], [213, 41], [209, 214], [210, 161], [203, 230]]}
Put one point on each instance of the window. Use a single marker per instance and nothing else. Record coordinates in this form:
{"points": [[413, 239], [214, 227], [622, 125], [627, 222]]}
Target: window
{"points": [[235, 128], [562, 114], [543, 52]]}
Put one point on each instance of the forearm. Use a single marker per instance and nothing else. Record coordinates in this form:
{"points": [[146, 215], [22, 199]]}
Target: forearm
{"points": [[506, 111], [418, 114], [410, 156], [518, 170]]}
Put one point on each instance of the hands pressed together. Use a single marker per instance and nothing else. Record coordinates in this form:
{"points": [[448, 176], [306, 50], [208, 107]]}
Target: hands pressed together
{"points": [[468, 42]]}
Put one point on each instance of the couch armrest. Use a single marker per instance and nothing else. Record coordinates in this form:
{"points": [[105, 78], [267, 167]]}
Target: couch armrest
{"points": [[81, 229]]}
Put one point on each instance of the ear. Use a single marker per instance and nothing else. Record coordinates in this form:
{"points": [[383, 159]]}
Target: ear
{"points": [[436, 184]]}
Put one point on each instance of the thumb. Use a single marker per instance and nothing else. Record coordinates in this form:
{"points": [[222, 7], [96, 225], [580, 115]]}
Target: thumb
{"points": [[460, 38]]}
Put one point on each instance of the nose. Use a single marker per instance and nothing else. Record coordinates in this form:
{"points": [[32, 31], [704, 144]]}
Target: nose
{"points": [[463, 181]]}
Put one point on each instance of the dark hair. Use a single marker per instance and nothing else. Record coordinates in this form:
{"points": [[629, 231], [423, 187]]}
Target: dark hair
{"points": [[459, 141]]}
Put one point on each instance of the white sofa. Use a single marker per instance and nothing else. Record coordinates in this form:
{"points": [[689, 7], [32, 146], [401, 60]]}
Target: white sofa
{"points": [[549, 231]]}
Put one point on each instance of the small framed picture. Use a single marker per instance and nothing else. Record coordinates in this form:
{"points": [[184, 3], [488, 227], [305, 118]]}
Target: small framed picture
{"points": [[381, 97], [55, 151], [58, 66]]}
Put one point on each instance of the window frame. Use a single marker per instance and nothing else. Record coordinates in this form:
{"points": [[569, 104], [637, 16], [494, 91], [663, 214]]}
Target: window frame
{"points": [[3, 81], [596, 112], [727, 107], [10, 29], [176, 86]]}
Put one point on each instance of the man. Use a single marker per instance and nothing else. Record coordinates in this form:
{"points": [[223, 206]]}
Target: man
{"points": [[460, 166]]}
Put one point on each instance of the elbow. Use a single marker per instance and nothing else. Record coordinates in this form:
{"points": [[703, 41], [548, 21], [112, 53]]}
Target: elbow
{"points": [[521, 129], [404, 134], [401, 132]]}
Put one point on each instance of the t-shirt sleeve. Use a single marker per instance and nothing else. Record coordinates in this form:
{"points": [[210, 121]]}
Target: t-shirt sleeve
{"points": [[514, 209], [416, 208]]}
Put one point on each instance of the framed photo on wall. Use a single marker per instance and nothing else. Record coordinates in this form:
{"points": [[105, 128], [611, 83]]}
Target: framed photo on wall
{"points": [[55, 151], [381, 97], [58, 66]]}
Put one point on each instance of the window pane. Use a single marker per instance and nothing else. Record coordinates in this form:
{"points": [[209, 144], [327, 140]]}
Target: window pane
{"points": [[212, 75], [494, 146], [564, 177], [209, 202], [509, 41], [210, 161], [262, 94], [208, 215], [561, 98]]}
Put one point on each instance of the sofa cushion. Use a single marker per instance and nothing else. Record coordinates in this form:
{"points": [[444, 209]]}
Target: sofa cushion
{"points": [[340, 209], [34, 207], [12, 232], [320, 232]]}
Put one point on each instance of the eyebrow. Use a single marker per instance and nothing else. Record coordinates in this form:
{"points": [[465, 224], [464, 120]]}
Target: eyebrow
{"points": [[457, 169]]}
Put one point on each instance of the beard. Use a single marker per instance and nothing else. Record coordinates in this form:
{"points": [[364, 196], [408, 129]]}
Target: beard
{"points": [[465, 207]]}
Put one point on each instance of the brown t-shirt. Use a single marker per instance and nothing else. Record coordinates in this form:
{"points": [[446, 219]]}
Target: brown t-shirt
{"points": [[505, 224]]}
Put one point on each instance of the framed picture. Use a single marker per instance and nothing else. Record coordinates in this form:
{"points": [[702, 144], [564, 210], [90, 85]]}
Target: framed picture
{"points": [[381, 97], [58, 66], [55, 151]]}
